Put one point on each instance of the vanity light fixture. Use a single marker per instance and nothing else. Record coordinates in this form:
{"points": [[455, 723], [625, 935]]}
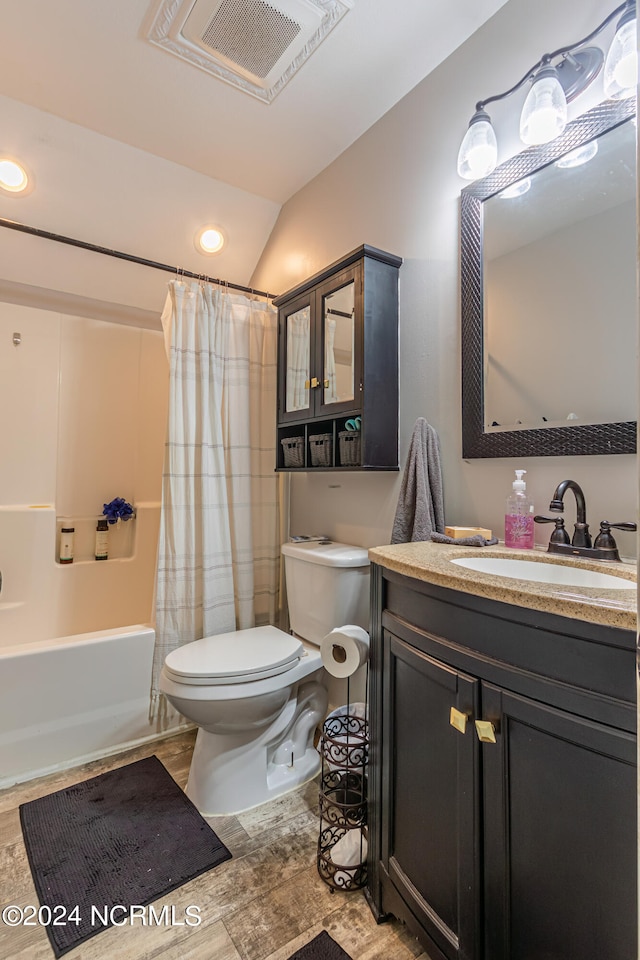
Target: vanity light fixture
{"points": [[621, 65], [575, 158], [209, 240], [544, 114], [556, 79], [13, 176], [479, 150], [516, 189]]}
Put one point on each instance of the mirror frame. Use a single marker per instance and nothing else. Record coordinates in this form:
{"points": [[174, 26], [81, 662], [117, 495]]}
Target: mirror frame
{"points": [[575, 440]]}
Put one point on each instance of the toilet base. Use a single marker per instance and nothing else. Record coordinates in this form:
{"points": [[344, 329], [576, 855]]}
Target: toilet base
{"points": [[213, 802], [234, 772]]}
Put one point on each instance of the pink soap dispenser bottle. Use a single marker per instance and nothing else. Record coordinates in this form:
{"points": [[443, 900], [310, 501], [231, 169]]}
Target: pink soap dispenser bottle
{"points": [[518, 519]]}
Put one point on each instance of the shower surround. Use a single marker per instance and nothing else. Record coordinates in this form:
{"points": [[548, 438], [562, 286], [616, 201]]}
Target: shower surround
{"points": [[84, 421]]}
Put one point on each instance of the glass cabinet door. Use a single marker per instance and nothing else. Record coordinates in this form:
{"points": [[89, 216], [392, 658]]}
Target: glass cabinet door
{"points": [[297, 360], [338, 376]]}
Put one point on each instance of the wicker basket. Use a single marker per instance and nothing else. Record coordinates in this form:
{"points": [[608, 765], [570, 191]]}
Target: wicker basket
{"points": [[293, 451], [349, 446], [321, 447]]}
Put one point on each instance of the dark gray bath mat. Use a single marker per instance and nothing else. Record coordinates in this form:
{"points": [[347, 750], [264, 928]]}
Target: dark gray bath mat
{"points": [[322, 947], [126, 837]]}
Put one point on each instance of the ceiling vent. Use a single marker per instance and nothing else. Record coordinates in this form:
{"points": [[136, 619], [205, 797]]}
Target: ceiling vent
{"points": [[255, 45]]}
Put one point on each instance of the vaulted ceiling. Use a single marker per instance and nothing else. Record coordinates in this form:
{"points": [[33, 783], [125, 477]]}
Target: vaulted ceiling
{"points": [[134, 149], [90, 62]]}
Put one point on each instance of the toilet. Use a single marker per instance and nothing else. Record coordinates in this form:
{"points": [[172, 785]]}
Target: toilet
{"points": [[257, 695]]}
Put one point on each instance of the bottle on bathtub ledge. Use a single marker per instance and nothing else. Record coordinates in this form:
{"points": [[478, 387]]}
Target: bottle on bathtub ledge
{"points": [[102, 540], [66, 544], [518, 518]]}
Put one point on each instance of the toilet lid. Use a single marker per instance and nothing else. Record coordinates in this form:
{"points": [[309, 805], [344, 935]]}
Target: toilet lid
{"points": [[236, 657]]}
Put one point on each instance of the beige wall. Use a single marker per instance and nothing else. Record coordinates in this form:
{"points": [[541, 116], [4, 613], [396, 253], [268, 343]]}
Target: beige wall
{"points": [[396, 188]]}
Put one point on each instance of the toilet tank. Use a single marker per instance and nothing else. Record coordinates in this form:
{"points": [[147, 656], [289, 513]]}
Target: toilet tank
{"points": [[327, 587]]}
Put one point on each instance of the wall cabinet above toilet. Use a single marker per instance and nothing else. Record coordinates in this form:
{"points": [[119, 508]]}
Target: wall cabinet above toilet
{"points": [[338, 366]]}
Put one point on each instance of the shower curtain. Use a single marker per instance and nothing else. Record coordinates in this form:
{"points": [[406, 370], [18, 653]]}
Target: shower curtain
{"points": [[219, 544]]}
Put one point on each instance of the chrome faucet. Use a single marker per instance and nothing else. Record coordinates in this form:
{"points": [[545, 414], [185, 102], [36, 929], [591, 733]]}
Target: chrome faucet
{"points": [[604, 548]]}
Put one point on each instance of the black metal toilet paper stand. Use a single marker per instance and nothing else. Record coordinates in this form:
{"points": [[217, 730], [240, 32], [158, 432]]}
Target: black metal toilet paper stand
{"points": [[344, 748]]}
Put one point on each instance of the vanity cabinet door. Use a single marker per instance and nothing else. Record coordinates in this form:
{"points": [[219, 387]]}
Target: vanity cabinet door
{"points": [[559, 822], [430, 839]]}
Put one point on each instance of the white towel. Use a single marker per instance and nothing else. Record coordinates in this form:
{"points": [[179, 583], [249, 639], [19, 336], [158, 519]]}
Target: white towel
{"points": [[420, 509]]}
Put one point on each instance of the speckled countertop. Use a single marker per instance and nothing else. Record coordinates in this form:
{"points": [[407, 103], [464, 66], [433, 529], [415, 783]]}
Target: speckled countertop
{"points": [[431, 562]]}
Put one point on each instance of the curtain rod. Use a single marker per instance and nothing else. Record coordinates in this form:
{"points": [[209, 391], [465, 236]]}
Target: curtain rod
{"points": [[46, 235]]}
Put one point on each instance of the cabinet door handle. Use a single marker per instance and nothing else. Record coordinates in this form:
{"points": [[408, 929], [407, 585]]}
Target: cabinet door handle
{"points": [[486, 731], [315, 382], [458, 720]]}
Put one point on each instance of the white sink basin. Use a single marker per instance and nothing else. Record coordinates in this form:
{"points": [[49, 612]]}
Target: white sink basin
{"points": [[542, 572]]}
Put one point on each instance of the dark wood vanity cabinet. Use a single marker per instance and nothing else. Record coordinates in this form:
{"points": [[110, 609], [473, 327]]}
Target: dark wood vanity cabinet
{"points": [[338, 361], [518, 849]]}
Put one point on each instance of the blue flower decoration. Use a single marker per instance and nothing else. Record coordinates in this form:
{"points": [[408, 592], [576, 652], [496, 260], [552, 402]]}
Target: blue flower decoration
{"points": [[117, 510]]}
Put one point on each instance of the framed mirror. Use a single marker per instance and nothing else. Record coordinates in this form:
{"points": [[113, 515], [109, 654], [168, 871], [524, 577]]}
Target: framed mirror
{"points": [[549, 303]]}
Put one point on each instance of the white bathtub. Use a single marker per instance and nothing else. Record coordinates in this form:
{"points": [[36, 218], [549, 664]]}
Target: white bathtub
{"points": [[68, 695], [74, 699]]}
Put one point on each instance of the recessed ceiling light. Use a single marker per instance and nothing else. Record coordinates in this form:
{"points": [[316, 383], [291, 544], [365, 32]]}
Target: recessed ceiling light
{"points": [[209, 240], [13, 176]]}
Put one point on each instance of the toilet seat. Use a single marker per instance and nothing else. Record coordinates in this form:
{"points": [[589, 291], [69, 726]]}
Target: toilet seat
{"points": [[240, 656]]}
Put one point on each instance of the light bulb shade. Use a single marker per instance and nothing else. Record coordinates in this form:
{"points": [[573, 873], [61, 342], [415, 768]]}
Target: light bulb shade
{"points": [[544, 114], [578, 156], [478, 152], [621, 65], [517, 189]]}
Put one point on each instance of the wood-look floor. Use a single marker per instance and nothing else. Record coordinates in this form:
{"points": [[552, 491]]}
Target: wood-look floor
{"points": [[263, 904]]}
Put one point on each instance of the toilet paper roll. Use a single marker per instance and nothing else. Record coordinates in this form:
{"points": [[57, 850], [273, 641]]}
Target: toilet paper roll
{"points": [[344, 650]]}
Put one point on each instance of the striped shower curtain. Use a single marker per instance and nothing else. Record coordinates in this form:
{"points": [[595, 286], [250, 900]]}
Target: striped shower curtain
{"points": [[219, 543]]}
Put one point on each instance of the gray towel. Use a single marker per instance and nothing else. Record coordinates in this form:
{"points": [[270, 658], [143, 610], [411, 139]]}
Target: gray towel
{"points": [[420, 508], [477, 540]]}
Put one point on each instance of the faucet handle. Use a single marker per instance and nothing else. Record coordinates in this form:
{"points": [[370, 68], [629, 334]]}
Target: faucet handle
{"points": [[559, 535], [604, 540]]}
